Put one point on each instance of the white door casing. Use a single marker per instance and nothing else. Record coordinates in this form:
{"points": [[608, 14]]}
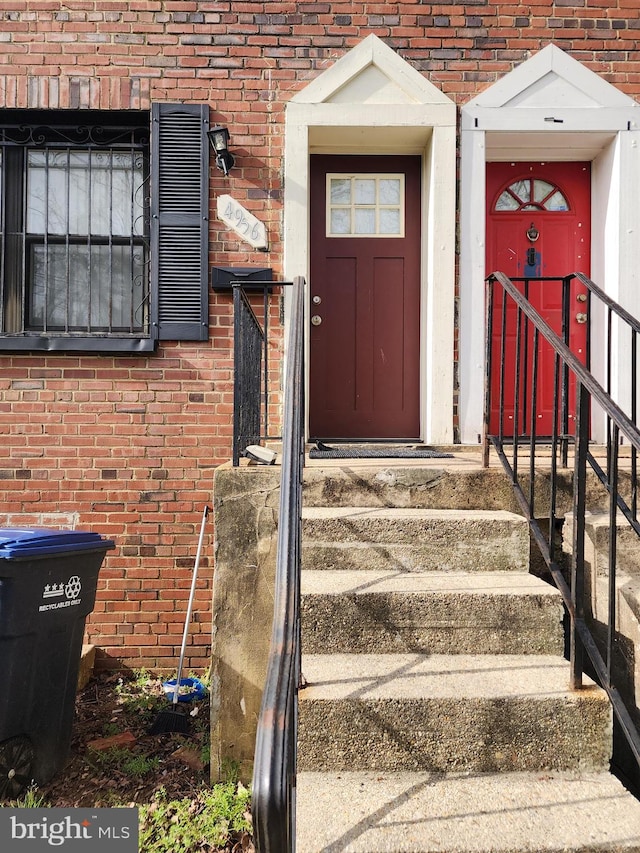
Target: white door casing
{"points": [[551, 108], [373, 102]]}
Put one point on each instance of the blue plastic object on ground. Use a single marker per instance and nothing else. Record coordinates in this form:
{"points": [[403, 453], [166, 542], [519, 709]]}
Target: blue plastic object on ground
{"points": [[190, 689]]}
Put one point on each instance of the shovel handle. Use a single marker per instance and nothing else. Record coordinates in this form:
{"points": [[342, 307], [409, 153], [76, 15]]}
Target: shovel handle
{"points": [[190, 605]]}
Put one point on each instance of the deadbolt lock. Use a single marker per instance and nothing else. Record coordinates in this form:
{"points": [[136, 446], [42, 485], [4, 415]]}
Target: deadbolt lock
{"points": [[316, 320], [316, 300], [581, 297]]}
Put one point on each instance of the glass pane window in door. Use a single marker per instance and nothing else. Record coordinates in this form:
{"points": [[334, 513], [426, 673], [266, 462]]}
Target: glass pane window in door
{"points": [[365, 221], [390, 191], [340, 221], [389, 221], [532, 194], [365, 191], [556, 201], [521, 190], [507, 202], [541, 190], [365, 205], [340, 191]]}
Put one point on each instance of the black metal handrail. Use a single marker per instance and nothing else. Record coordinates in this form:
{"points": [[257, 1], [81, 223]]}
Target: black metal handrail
{"points": [[531, 331], [274, 773]]}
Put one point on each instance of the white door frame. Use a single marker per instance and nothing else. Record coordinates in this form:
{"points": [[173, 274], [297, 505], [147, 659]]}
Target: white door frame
{"points": [[551, 108], [373, 102]]}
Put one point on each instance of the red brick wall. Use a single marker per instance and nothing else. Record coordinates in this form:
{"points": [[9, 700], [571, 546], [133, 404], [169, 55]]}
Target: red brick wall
{"points": [[127, 446]]}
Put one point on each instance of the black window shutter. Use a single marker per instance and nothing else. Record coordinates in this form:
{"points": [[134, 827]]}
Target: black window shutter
{"points": [[179, 221]]}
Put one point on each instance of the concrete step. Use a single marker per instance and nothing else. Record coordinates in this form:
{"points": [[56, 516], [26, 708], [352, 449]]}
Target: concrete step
{"points": [[553, 812], [597, 534], [414, 539], [460, 483], [478, 713], [453, 613]]}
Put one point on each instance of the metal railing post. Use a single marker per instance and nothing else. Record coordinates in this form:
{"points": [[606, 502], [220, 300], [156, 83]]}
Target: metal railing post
{"points": [[488, 367], [576, 655], [612, 467]]}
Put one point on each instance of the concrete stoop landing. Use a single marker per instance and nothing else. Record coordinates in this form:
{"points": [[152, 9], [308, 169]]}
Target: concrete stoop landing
{"points": [[547, 812], [437, 714]]}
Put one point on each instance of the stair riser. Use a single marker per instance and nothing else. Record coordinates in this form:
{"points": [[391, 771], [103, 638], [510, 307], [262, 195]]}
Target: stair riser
{"points": [[412, 545], [441, 735], [410, 486], [436, 624], [424, 557]]}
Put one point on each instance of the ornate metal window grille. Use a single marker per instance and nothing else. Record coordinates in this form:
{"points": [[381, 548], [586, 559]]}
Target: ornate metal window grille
{"points": [[74, 235]]}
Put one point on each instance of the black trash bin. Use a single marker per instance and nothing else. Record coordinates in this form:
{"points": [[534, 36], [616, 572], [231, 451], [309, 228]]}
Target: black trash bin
{"points": [[48, 581]]}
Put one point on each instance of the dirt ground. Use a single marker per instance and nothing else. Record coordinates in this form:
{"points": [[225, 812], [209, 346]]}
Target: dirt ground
{"points": [[121, 708]]}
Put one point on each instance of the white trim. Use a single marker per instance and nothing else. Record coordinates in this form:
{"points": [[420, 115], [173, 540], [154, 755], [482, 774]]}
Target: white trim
{"points": [[373, 93], [520, 86], [472, 272], [551, 85], [333, 83]]}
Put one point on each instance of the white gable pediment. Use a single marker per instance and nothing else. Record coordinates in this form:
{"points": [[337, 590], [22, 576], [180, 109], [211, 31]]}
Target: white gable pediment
{"points": [[550, 89], [371, 73]]}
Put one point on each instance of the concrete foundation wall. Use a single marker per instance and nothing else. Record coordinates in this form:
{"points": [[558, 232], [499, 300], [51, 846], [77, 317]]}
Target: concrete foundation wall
{"points": [[245, 515]]}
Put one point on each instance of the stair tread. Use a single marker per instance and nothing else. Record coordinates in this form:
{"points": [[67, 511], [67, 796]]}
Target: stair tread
{"points": [[423, 812], [368, 582], [418, 676]]}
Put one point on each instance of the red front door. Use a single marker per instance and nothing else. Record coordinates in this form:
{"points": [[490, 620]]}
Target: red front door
{"points": [[365, 297], [538, 225]]}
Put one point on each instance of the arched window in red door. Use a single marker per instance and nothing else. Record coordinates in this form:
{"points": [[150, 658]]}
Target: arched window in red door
{"points": [[532, 194]]}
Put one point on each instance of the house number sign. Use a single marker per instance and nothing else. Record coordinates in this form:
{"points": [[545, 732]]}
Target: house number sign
{"points": [[242, 222]]}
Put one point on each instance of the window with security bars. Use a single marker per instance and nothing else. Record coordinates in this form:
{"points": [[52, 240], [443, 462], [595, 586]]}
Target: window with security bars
{"points": [[80, 263]]}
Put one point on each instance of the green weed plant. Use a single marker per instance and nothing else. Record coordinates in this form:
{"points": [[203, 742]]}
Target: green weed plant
{"points": [[202, 823]]}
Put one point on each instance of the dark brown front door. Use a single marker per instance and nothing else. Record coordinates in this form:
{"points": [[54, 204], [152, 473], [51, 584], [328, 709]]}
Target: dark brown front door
{"points": [[365, 297]]}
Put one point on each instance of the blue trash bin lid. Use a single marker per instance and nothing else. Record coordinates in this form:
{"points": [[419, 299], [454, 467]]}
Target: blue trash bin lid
{"points": [[19, 542]]}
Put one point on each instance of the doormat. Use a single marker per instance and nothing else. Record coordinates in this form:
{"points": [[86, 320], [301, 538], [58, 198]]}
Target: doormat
{"points": [[381, 451]]}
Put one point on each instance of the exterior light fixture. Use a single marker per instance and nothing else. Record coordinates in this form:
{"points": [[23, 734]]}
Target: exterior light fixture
{"points": [[219, 140]]}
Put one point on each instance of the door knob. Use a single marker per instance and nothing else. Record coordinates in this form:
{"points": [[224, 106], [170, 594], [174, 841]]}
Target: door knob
{"points": [[581, 318], [316, 320]]}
